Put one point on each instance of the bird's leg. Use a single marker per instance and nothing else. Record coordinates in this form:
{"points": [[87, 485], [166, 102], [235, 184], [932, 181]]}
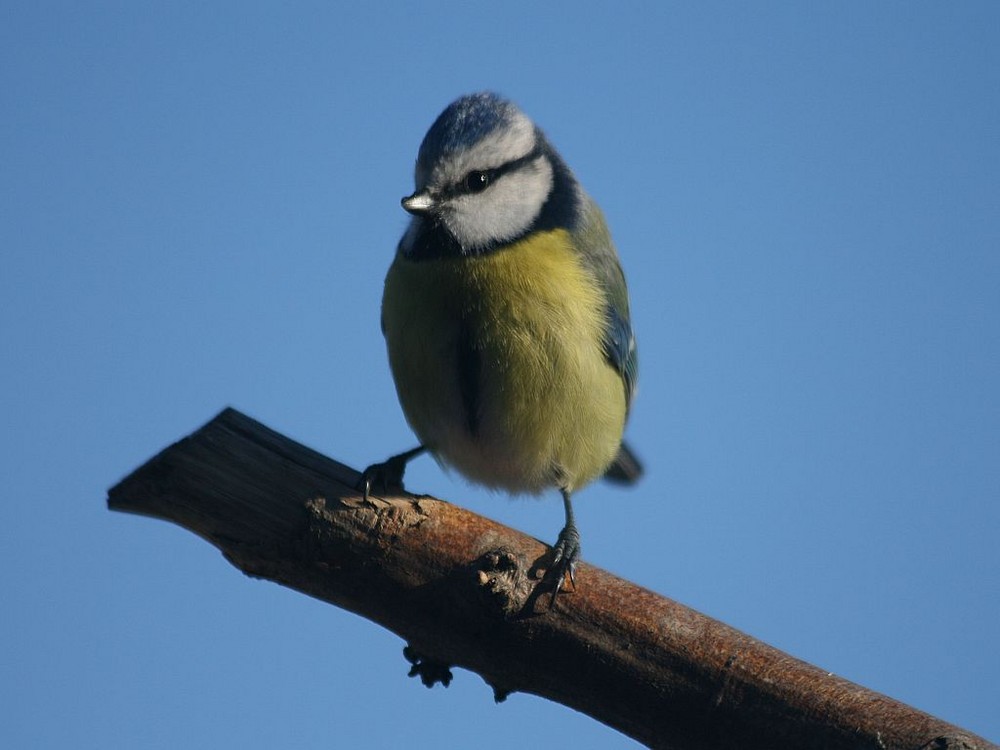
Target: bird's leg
{"points": [[388, 475], [567, 549]]}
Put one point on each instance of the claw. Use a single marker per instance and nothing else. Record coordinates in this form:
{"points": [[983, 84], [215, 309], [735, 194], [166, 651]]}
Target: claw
{"points": [[567, 553]]}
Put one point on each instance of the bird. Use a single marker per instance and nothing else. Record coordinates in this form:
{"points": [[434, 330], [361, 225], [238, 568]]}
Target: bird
{"points": [[506, 318]]}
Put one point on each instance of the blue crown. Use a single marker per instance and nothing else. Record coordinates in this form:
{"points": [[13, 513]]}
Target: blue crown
{"points": [[464, 122]]}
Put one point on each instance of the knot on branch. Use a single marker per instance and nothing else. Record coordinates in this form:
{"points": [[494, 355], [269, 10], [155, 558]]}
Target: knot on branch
{"points": [[430, 671], [502, 577]]}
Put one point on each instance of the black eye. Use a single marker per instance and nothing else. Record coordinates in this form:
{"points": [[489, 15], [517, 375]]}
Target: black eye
{"points": [[477, 182]]}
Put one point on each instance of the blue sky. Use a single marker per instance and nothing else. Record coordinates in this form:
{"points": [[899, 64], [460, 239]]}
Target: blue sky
{"points": [[197, 208]]}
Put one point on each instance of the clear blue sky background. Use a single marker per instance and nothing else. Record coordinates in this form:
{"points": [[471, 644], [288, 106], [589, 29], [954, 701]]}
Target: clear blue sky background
{"points": [[197, 208]]}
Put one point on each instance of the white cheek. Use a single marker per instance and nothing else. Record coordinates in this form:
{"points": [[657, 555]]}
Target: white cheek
{"points": [[504, 211]]}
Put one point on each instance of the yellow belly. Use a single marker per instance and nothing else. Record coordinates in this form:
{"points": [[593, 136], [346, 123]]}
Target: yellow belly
{"points": [[551, 407]]}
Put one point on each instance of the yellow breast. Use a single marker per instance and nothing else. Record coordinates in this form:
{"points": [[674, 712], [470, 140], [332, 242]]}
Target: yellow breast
{"points": [[550, 409]]}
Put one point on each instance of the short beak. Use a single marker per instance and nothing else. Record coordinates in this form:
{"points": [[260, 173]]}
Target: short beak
{"points": [[419, 204]]}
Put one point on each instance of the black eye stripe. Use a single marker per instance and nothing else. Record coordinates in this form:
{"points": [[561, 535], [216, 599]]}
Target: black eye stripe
{"points": [[479, 179]]}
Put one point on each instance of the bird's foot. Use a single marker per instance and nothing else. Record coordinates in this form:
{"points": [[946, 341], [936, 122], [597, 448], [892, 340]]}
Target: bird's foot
{"points": [[383, 477], [566, 553], [388, 475]]}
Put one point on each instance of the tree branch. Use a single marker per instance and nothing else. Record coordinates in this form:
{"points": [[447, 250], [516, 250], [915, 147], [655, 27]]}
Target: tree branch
{"points": [[464, 591]]}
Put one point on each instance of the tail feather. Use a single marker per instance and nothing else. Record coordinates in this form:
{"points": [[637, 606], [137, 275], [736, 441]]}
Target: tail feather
{"points": [[626, 468]]}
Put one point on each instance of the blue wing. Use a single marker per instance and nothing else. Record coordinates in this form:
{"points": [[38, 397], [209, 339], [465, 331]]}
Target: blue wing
{"points": [[621, 350]]}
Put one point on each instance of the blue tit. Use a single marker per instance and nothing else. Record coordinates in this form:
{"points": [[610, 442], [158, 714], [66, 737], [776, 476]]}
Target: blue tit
{"points": [[506, 317]]}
